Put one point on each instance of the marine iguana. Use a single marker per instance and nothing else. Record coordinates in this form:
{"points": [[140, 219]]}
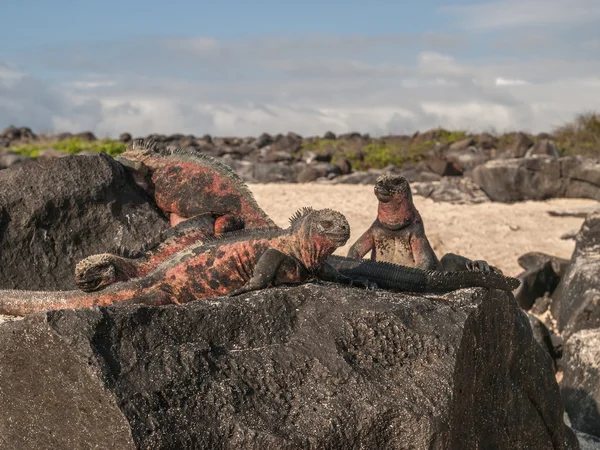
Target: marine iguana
{"points": [[395, 277], [253, 259], [398, 235], [185, 183], [100, 270], [236, 262]]}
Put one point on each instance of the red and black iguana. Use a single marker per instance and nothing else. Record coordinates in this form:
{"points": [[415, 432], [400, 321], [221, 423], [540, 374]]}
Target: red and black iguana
{"points": [[253, 259], [231, 264], [398, 235], [99, 271], [185, 183]]}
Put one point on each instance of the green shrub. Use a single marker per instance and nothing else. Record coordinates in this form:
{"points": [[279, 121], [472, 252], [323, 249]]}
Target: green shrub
{"points": [[582, 136], [72, 145]]}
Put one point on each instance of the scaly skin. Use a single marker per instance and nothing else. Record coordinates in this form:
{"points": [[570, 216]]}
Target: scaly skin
{"points": [[237, 262], [398, 235], [410, 279], [185, 183], [98, 271], [398, 225]]}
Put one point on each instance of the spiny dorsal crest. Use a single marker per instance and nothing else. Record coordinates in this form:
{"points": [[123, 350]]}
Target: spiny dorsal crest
{"points": [[125, 252], [246, 234], [297, 217], [143, 145], [388, 178], [215, 163]]}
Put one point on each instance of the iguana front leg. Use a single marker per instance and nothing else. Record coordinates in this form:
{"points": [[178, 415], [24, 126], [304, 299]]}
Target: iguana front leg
{"points": [[329, 273], [264, 272], [362, 246], [423, 254]]}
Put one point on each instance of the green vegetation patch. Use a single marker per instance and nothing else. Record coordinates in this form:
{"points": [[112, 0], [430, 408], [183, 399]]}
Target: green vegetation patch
{"points": [[580, 137], [379, 153], [72, 145]]}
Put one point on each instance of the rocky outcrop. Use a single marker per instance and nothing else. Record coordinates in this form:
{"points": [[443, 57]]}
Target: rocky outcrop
{"points": [[538, 178], [580, 385], [576, 298], [512, 167], [576, 308], [456, 190], [55, 213], [541, 277], [314, 366]]}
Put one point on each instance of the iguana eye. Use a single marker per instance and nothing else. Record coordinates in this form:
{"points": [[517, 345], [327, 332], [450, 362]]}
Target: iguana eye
{"points": [[327, 224]]}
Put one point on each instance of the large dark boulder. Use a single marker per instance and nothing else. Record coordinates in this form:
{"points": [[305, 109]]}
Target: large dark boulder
{"points": [[541, 277], [55, 213], [576, 300], [580, 385], [518, 179], [576, 308], [539, 178], [314, 366]]}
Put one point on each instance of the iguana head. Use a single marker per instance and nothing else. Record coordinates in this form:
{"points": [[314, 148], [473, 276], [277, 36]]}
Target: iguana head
{"points": [[133, 161], [320, 232], [396, 209], [389, 186]]}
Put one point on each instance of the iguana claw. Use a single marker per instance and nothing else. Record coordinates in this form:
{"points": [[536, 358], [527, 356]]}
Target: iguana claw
{"points": [[364, 283], [478, 265]]}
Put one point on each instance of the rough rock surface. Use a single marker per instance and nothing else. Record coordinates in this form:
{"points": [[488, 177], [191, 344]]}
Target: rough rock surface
{"points": [[587, 441], [55, 213], [538, 178], [576, 300], [452, 190], [580, 385], [314, 366], [518, 179]]}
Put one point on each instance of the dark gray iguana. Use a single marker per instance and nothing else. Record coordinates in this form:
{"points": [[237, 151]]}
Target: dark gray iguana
{"points": [[247, 260], [398, 235]]}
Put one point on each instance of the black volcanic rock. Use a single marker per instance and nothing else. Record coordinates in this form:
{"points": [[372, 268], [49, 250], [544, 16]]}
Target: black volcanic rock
{"points": [[314, 366], [576, 300], [55, 213]]}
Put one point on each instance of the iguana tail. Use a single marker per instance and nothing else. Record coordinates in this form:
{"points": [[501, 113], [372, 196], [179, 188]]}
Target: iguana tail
{"points": [[20, 303], [409, 279]]}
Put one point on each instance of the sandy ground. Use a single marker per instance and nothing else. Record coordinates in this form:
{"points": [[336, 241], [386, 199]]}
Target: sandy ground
{"points": [[496, 232]]}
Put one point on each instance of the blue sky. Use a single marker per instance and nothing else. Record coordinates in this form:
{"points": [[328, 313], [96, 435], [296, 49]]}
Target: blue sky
{"points": [[62, 21], [241, 68]]}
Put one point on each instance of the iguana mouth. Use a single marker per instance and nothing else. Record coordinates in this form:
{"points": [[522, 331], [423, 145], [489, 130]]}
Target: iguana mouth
{"points": [[339, 238], [383, 195]]}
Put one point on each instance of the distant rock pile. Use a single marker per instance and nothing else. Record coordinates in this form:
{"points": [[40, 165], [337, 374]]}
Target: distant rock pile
{"points": [[441, 165]]}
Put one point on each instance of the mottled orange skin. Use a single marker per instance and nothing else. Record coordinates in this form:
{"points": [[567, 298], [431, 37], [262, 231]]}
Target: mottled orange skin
{"points": [[183, 187], [94, 272], [219, 267], [153, 259], [21, 303], [229, 267], [398, 234]]}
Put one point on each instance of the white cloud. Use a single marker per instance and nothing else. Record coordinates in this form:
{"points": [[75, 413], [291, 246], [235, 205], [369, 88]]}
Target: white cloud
{"points": [[508, 82], [503, 14], [372, 84]]}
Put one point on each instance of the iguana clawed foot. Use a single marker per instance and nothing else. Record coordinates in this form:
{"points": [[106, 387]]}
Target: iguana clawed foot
{"points": [[480, 265], [364, 283]]}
